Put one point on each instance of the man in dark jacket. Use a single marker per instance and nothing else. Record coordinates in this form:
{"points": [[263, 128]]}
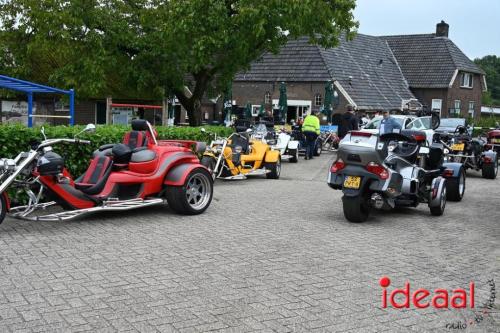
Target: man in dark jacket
{"points": [[349, 122]]}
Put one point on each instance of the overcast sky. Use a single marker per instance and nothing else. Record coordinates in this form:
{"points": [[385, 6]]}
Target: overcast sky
{"points": [[474, 24]]}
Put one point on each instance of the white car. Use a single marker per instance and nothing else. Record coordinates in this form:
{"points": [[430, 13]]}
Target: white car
{"points": [[373, 125], [406, 121]]}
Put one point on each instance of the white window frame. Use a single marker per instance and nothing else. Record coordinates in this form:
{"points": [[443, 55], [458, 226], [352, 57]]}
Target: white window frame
{"points": [[61, 106], [267, 98], [471, 110], [318, 100], [436, 101], [467, 81]]}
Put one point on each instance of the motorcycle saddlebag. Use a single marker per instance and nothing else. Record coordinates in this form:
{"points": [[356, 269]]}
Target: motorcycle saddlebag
{"points": [[50, 164]]}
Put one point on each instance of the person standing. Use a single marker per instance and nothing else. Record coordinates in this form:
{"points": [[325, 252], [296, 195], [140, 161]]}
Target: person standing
{"points": [[388, 124], [310, 129], [349, 122]]}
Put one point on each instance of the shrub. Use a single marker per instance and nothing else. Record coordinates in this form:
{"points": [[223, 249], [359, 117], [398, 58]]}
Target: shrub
{"points": [[17, 138]]}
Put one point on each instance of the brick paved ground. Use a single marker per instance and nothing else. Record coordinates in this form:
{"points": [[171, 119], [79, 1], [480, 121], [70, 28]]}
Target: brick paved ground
{"points": [[255, 261]]}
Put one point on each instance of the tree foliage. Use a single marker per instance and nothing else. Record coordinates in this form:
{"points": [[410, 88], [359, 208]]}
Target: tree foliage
{"points": [[157, 47], [491, 65]]}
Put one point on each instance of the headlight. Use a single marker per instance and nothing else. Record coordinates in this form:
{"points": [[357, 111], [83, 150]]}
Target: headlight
{"points": [[6, 164], [238, 149]]}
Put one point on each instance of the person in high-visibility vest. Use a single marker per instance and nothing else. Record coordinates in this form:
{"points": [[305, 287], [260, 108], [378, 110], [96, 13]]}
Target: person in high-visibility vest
{"points": [[310, 128]]}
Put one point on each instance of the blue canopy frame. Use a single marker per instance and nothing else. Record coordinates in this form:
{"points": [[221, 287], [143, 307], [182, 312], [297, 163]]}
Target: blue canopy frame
{"points": [[31, 88]]}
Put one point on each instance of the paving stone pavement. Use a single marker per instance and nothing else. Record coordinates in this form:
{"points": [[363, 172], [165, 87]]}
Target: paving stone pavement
{"points": [[268, 256]]}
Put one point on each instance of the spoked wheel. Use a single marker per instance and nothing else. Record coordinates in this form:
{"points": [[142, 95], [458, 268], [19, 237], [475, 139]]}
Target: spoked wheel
{"points": [[3, 208], [490, 170], [194, 196], [356, 209], [455, 187]]}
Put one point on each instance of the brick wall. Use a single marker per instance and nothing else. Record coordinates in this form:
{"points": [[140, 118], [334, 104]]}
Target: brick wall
{"points": [[466, 95], [448, 96]]}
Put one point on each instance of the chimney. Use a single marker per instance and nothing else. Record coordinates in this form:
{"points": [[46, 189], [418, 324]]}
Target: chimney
{"points": [[442, 29]]}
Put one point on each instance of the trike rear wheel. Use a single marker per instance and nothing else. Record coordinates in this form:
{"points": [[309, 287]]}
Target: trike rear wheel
{"points": [[356, 209], [194, 196]]}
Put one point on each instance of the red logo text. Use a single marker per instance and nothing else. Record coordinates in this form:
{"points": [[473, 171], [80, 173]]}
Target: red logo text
{"points": [[422, 298]]}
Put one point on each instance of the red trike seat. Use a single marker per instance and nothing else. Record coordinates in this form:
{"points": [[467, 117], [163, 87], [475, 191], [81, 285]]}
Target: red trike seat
{"points": [[94, 179]]}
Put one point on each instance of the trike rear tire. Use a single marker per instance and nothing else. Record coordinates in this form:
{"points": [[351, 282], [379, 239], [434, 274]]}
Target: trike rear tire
{"points": [[194, 196], [355, 209]]}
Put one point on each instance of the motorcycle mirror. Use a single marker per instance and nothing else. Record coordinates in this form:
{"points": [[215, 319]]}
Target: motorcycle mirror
{"points": [[89, 128], [42, 130]]}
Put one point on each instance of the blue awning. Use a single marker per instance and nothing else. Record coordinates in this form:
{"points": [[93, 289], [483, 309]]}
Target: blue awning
{"points": [[31, 88]]}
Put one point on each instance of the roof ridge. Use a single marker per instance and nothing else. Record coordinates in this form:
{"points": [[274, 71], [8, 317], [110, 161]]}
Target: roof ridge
{"points": [[324, 61], [450, 43], [397, 63], [446, 43], [409, 35]]}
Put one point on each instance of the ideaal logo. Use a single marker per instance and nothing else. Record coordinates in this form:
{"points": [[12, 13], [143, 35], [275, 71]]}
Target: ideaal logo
{"points": [[422, 298], [440, 299]]}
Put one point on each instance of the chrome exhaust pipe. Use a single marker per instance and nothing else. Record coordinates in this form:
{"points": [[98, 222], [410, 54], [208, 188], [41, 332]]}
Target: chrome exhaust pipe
{"points": [[377, 201]]}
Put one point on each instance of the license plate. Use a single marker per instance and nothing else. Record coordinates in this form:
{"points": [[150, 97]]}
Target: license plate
{"points": [[458, 147], [352, 182]]}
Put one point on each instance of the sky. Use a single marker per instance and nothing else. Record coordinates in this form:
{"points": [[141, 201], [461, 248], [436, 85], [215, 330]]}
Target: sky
{"points": [[474, 24]]}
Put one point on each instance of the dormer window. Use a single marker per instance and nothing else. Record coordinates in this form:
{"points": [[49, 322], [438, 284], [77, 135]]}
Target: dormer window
{"points": [[466, 80]]}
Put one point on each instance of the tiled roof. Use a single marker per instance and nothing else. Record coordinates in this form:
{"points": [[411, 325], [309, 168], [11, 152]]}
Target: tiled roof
{"points": [[297, 61], [428, 61], [365, 67]]}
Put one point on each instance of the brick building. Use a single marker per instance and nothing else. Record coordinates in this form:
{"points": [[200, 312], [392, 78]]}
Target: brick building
{"points": [[439, 74], [371, 73]]}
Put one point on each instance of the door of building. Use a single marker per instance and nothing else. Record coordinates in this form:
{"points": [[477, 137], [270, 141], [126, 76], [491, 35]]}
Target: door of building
{"points": [[100, 113]]}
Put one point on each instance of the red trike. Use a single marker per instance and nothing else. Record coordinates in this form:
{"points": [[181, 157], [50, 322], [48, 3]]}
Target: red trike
{"points": [[142, 171]]}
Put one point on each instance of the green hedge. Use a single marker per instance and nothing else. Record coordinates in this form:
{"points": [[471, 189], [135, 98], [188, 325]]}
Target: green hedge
{"points": [[17, 138]]}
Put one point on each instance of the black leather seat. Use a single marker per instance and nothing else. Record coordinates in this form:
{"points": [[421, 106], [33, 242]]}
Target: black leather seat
{"points": [[94, 179], [137, 137]]}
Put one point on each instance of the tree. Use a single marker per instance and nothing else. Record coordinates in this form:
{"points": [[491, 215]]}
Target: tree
{"points": [[491, 65], [189, 48]]}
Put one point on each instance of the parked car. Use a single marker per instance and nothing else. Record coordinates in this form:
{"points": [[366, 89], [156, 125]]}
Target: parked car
{"points": [[407, 122], [373, 125], [449, 125]]}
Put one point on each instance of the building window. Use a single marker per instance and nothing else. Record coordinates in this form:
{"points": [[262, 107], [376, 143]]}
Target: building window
{"points": [[437, 104], [467, 79], [267, 98], [318, 101], [471, 109], [455, 111], [61, 106]]}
